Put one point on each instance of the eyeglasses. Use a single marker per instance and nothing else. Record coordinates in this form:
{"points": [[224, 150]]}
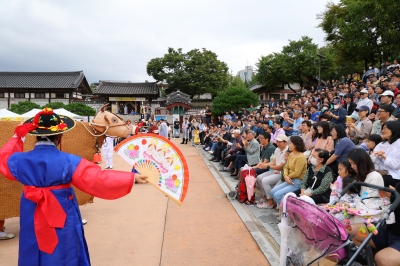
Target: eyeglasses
{"points": [[383, 111]]}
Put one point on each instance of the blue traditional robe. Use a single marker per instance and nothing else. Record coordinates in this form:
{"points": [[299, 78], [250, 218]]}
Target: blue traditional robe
{"points": [[45, 169]]}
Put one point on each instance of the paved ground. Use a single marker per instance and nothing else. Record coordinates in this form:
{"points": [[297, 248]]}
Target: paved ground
{"points": [[146, 228]]}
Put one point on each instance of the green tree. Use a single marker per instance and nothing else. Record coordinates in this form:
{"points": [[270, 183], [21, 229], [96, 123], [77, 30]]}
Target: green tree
{"points": [[54, 105], [297, 61], [194, 72], [362, 30], [80, 109], [233, 98], [23, 107]]}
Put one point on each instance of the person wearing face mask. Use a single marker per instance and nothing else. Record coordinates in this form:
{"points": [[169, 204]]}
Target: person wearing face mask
{"points": [[317, 180], [338, 114]]}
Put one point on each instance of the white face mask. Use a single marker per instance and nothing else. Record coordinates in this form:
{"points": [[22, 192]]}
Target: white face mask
{"points": [[324, 109], [313, 161], [336, 107]]}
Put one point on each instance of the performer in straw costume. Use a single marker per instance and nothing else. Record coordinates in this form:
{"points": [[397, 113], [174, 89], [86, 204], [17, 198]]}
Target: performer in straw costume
{"points": [[51, 231]]}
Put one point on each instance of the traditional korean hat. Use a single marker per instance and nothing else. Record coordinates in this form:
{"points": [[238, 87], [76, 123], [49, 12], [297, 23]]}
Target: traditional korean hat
{"points": [[45, 123]]}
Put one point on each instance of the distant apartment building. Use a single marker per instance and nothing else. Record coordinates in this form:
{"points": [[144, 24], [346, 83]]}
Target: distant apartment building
{"points": [[246, 74]]}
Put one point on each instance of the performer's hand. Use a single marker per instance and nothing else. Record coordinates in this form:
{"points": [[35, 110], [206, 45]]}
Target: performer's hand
{"points": [[140, 179]]}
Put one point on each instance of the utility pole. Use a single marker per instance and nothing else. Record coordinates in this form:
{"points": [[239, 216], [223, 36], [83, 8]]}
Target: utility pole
{"points": [[319, 67]]}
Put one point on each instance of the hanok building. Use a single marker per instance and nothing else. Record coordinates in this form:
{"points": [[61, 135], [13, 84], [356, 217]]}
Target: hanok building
{"points": [[178, 103], [42, 87], [126, 97]]}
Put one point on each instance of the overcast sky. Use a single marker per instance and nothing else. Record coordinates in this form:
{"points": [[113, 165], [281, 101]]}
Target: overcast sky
{"points": [[114, 39]]}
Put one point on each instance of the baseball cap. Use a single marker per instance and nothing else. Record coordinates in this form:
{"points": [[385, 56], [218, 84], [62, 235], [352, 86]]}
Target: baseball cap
{"points": [[362, 108], [282, 137], [387, 93], [337, 101], [355, 116], [267, 116], [364, 91]]}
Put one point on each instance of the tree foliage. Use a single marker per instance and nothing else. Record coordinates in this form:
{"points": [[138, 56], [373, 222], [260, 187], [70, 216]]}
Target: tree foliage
{"points": [[297, 61], [362, 30], [80, 109], [23, 107], [233, 98], [194, 72]]}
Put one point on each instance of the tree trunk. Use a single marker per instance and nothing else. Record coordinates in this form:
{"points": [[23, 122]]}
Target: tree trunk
{"points": [[290, 87]]}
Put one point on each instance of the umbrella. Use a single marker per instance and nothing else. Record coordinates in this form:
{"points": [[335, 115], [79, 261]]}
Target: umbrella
{"points": [[285, 229], [31, 113], [62, 111], [250, 183], [159, 159]]}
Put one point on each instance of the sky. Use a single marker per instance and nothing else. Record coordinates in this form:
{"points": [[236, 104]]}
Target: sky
{"points": [[114, 40]]}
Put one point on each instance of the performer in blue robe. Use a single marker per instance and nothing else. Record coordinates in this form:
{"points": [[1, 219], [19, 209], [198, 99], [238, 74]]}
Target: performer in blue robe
{"points": [[51, 231]]}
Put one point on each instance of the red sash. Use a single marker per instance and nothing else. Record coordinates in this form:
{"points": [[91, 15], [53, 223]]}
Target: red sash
{"points": [[48, 215]]}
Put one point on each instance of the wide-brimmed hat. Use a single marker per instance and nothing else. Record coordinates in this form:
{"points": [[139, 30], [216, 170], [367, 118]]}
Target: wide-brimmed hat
{"points": [[46, 123]]}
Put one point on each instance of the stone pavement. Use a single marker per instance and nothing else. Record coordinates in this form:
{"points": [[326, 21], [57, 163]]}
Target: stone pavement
{"points": [[146, 228]]}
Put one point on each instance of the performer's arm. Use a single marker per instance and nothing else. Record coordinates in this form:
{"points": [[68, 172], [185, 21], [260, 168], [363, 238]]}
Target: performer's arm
{"points": [[15, 144], [109, 184]]}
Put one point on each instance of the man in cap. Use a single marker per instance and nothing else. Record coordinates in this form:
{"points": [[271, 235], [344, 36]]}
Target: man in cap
{"points": [[387, 98], [266, 181], [338, 114], [364, 100], [51, 230]]}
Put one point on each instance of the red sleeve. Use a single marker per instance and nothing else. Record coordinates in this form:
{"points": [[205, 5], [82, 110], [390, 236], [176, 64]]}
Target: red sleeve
{"points": [[15, 144], [108, 184]]}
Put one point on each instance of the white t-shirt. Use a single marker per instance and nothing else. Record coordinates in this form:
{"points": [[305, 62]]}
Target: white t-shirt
{"points": [[373, 178], [108, 143]]}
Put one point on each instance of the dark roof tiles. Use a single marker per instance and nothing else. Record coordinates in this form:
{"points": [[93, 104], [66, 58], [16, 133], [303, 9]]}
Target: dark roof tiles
{"points": [[46, 80], [126, 88]]}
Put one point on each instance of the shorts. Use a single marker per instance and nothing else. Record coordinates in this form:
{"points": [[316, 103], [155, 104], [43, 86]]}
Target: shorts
{"points": [[385, 239]]}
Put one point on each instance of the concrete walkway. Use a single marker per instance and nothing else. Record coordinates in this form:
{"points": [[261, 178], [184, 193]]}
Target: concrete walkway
{"points": [[146, 228]]}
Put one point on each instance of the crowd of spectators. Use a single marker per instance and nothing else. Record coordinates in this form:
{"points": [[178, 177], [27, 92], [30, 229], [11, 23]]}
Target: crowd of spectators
{"points": [[352, 121]]}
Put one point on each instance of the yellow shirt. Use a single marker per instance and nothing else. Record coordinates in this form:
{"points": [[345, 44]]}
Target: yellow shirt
{"points": [[296, 166]]}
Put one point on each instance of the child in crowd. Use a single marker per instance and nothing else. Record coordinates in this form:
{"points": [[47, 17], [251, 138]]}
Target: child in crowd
{"points": [[196, 136], [344, 170], [372, 141]]}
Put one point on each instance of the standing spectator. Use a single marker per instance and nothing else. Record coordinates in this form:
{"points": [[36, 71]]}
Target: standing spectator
{"points": [[126, 109], [233, 116], [129, 124], [272, 104], [185, 131], [338, 114], [208, 114], [227, 116], [294, 170], [384, 115], [364, 100], [177, 127], [108, 150], [163, 128]]}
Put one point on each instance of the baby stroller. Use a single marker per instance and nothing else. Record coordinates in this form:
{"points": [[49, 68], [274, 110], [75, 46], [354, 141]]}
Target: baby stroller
{"points": [[315, 234]]}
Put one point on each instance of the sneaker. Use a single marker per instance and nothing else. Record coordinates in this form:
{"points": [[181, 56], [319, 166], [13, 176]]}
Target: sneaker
{"points": [[84, 221], [211, 152], [5, 236], [207, 149]]}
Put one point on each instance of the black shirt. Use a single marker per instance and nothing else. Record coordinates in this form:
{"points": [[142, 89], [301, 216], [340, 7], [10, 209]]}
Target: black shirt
{"points": [[177, 124], [208, 113]]}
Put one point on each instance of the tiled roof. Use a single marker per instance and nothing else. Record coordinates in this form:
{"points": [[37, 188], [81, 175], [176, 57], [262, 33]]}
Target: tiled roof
{"points": [[42, 80], [127, 88], [178, 97]]}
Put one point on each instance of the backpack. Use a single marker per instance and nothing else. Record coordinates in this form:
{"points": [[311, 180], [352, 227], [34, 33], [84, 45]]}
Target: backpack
{"points": [[242, 187]]}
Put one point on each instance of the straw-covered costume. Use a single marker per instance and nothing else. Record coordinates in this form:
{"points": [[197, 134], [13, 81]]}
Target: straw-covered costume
{"points": [[51, 231]]}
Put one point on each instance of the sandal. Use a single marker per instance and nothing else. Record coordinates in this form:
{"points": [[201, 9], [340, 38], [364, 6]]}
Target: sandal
{"points": [[260, 201]]}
